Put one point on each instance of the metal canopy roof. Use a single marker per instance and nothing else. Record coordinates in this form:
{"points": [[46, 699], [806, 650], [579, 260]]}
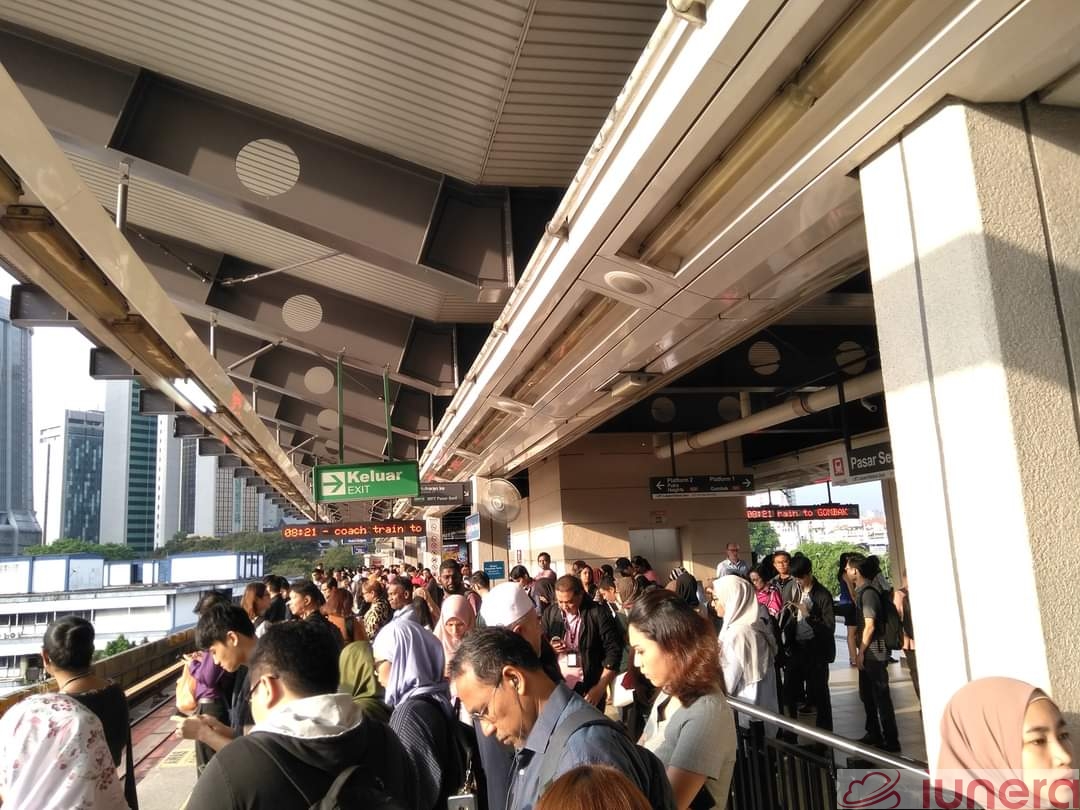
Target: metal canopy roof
{"points": [[509, 92]]}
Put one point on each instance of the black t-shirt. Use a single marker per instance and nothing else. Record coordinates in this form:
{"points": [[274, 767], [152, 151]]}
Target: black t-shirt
{"points": [[240, 704], [868, 606]]}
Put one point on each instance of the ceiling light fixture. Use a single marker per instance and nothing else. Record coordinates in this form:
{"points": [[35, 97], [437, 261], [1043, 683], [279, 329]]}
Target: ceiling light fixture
{"points": [[195, 394]]}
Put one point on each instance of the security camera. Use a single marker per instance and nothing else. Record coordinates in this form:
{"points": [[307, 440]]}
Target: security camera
{"points": [[870, 406]]}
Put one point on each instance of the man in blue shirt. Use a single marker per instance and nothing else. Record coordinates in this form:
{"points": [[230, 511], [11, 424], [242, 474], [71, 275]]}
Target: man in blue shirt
{"points": [[501, 682]]}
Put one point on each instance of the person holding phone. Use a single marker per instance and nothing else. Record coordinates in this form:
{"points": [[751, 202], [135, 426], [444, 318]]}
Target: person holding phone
{"points": [[586, 638]]}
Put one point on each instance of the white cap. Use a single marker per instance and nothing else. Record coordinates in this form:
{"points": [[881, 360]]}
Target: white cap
{"points": [[505, 605]]}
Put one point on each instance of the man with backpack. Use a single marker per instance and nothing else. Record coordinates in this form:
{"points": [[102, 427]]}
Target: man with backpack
{"points": [[501, 682], [310, 748], [876, 630]]}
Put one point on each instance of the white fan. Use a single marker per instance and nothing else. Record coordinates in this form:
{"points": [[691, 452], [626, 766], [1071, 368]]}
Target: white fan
{"points": [[498, 499]]}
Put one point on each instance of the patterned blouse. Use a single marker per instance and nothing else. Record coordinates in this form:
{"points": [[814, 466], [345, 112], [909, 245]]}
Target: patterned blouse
{"points": [[53, 756], [377, 616]]}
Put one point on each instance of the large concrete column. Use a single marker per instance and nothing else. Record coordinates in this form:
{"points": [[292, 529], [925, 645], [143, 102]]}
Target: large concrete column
{"points": [[975, 258]]}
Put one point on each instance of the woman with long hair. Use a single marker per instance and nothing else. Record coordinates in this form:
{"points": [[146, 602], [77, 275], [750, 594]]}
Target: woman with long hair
{"points": [[747, 645], [768, 595], [588, 580], [411, 667], [846, 599], [691, 727], [339, 614], [255, 602]]}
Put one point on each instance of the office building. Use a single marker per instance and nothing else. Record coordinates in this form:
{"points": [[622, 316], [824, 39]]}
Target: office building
{"points": [[18, 525], [129, 479], [188, 462], [167, 482], [73, 460]]}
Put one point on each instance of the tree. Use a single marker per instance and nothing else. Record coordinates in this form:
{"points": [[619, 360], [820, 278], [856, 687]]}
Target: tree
{"points": [[117, 645], [110, 551], [339, 557], [763, 539]]}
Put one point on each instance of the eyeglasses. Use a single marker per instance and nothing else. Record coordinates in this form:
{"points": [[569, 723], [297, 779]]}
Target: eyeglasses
{"points": [[258, 683], [482, 716]]}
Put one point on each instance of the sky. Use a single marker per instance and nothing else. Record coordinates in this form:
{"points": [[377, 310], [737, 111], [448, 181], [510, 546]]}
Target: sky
{"points": [[60, 359]]}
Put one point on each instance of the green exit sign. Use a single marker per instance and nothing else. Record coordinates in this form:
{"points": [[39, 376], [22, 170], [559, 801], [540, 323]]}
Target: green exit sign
{"points": [[367, 482]]}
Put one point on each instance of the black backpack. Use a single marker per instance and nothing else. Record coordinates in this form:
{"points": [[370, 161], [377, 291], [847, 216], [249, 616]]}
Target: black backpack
{"points": [[357, 787], [892, 628], [659, 794]]}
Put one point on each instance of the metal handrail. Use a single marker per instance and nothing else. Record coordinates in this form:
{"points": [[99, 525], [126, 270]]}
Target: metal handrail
{"points": [[912, 766]]}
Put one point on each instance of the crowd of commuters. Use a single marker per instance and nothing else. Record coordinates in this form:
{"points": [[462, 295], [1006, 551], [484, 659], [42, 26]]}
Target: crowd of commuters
{"points": [[398, 688]]}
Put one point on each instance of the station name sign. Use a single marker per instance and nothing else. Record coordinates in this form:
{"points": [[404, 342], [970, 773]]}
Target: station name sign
{"points": [[821, 511], [444, 493], [699, 486], [355, 532], [863, 464]]}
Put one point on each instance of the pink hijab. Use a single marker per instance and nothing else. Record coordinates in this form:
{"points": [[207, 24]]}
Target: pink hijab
{"points": [[983, 726], [453, 607]]}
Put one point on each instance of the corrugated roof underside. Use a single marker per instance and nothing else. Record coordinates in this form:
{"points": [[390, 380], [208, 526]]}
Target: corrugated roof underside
{"points": [[430, 81], [158, 208], [575, 59]]}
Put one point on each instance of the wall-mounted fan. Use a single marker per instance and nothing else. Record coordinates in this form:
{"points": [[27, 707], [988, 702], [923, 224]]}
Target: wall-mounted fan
{"points": [[497, 499]]}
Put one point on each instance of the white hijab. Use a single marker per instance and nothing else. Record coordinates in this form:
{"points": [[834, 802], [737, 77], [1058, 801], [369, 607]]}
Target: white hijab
{"points": [[744, 637]]}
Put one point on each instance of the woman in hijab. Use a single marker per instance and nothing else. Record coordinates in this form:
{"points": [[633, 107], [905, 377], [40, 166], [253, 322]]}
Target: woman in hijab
{"points": [[411, 664], [357, 665], [689, 590], [455, 620], [1000, 729], [747, 645]]}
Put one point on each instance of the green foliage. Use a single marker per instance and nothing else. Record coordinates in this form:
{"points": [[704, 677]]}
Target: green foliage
{"points": [[110, 551], [763, 539], [117, 645], [825, 557], [270, 544], [292, 567], [338, 557]]}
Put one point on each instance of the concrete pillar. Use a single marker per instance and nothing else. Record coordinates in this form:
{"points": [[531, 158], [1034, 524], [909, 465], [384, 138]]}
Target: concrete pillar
{"points": [[591, 502], [975, 260], [893, 529]]}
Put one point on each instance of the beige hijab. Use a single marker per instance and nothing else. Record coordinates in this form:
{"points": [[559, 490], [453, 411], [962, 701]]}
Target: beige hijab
{"points": [[744, 637], [983, 726]]}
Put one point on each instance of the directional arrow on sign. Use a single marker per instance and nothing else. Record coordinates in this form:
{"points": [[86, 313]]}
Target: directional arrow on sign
{"points": [[661, 485], [333, 483], [747, 483]]}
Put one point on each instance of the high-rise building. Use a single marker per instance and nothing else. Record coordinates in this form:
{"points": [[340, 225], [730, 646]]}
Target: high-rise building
{"points": [[129, 479], [167, 482], [189, 449], [73, 477], [18, 525], [224, 504]]}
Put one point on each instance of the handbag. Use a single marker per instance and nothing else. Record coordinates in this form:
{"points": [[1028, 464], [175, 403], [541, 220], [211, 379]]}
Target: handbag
{"points": [[185, 691]]}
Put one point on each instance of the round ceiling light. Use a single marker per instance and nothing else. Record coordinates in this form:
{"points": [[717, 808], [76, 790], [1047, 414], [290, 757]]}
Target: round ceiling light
{"points": [[663, 410], [728, 408], [319, 380], [851, 357], [267, 168], [627, 283], [327, 419], [764, 358], [302, 313]]}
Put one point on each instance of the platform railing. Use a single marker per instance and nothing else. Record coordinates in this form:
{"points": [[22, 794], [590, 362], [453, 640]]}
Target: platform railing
{"points": [[136, 670], [771, 772]]}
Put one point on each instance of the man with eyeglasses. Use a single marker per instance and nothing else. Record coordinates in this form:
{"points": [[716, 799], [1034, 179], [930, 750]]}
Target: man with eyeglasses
{"points": [[732, 564], [500, 681], [507, 605], [304, 736]]}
